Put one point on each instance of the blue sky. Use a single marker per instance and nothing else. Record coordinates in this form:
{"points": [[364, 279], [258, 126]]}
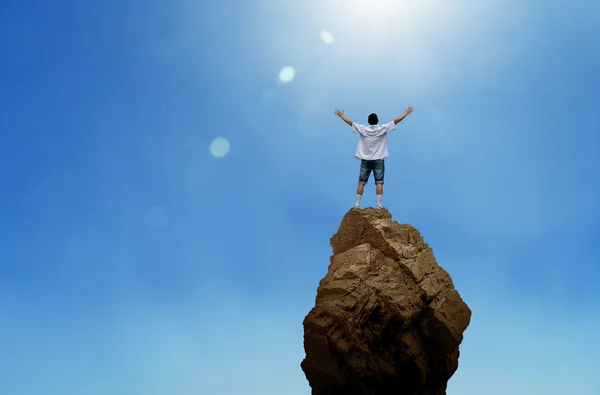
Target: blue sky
{"points": [[132, 260]]}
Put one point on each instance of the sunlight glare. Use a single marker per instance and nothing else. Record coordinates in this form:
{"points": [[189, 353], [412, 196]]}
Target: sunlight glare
{"points": [[219, 147], [373, 11], [326, 37], [287, 74], [381, 21]]}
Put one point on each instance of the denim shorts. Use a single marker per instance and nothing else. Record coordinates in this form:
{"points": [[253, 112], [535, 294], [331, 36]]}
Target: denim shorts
{"points": [[366, 166]]}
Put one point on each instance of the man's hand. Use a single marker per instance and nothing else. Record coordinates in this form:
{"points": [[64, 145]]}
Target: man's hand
{"points": [[340, 113], [400, 118]]}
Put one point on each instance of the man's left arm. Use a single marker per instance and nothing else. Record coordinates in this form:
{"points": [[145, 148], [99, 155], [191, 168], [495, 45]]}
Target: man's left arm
{"points": [[340, 113]]}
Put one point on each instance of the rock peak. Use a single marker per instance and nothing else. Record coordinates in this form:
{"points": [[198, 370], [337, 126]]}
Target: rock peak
{"points": [[387, 319]]}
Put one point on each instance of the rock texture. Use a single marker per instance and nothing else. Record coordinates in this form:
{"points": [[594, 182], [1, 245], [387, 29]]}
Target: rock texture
{"points": [[387, 319]]}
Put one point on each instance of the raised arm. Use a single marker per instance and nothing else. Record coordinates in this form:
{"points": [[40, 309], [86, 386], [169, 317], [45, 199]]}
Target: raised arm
{"points": [[401, 117], [340, 113]]}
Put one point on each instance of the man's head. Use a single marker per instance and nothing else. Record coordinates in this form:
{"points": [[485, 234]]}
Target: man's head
{"points": [[373, 120]]}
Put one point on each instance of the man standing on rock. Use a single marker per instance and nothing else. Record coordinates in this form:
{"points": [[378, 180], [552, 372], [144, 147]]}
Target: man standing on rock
{"points": [[371, 151]]}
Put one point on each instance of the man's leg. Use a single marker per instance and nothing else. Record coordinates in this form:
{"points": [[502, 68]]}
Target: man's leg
{"points": [[378, 173], [360, 189], [363, 177]]}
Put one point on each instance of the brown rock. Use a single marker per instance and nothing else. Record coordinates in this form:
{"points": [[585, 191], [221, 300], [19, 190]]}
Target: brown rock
{"points": [[387, 319]]}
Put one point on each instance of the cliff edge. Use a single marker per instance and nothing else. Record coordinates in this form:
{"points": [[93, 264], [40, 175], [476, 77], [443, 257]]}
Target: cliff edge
{"points": [[387, 319]]}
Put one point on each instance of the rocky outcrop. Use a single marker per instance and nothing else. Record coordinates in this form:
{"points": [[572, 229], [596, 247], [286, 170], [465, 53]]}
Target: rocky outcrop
{"points": [[387, 319]]}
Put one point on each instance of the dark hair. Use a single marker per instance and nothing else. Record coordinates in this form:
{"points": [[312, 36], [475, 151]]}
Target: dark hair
{"points": [[373, 119]]}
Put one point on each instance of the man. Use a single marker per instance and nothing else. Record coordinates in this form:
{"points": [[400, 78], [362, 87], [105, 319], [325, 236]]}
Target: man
{"points": [[372, 151]]}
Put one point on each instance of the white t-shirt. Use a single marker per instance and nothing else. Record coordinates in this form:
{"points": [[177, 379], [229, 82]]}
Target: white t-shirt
{"points": [[373, 140]]}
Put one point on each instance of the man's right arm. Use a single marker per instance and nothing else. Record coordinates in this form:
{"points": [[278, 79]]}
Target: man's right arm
{"points": [[401, 117], [340, 113]]}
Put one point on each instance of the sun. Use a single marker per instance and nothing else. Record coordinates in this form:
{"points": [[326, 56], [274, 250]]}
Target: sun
{"points": [[372, 10], [374, 19]]}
